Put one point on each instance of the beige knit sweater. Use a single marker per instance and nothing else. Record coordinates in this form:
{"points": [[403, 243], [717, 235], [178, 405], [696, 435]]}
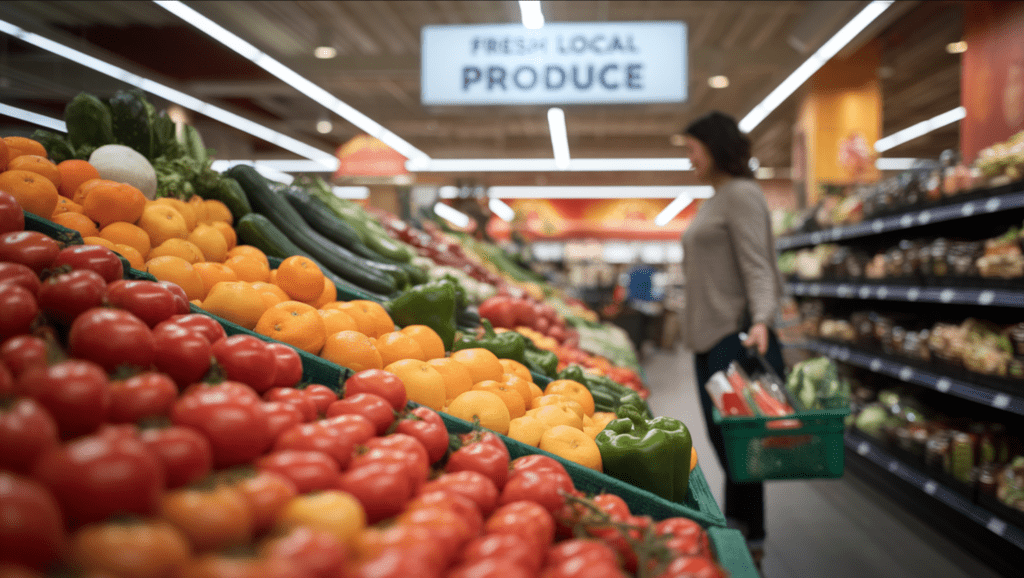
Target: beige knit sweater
{"points": [[732, 277]]}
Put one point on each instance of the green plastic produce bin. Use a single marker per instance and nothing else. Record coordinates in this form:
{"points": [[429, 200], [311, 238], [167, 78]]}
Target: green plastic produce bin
{"points": [[756, 452], [731, 551], [61, 234]]}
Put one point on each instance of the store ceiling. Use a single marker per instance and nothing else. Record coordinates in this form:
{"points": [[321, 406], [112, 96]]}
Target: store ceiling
{"points": [[755, 44]]}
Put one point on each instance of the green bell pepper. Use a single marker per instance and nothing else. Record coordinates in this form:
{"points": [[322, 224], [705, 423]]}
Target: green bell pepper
{"points": [[539, 360], [506, 345], [431, 304], [652, 454]]}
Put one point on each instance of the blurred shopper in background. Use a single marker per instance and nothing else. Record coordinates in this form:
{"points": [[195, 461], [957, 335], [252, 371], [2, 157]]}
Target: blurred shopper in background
{"points": [[733, 286]]}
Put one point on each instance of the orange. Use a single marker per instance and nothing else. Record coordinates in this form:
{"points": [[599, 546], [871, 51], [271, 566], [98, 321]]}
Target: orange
{"points": [[228, 232], [250, 251], [162, 222], [555, 399], [336, 320], [74, 172], [294, 323], [213, 273], [134, 258], [514, 367], [572, 444], [300, 278], [527, 429], [602, 418], [535, 391], [99, 241], [19, 145], [127, 234], [557, 415], [66, 205], [210, 241], [178, 248], [217, 211], [328, 295], [353, 350], [178, 271], [396, 346], [693, 458], [482, 406], [273, 276], [248, 268], [456, 376], [423, 383], [235, 301], [372, 318], [34, 193], [36, 164], [198, 205], [513, 401], [573, 390], [270, 293], [5, 152], [109, 201], [519, 384], [184, 209], [430, 342], [481, 363], [78, 222]]}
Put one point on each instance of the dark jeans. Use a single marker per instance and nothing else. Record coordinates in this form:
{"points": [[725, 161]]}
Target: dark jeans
{"points": [[743, 502]]}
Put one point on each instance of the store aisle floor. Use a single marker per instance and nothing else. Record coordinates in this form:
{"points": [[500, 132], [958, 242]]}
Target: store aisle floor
{"points": [[822, 528]]}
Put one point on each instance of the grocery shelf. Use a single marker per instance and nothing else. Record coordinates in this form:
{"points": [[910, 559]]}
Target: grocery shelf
{"points": [[906, 220], [899, 369], [867, 449], [909, 293]]}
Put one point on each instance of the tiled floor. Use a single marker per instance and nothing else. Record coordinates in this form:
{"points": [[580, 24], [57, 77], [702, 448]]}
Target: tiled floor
{"points": [[825, 528]]}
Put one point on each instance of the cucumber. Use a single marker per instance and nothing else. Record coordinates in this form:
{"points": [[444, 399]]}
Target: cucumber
{"points": [[131, 122], [371, 233], [229, 192], [256, 230], [88, 122], [341, 261]]}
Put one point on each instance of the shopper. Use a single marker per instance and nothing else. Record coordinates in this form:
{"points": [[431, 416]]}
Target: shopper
{"points": [[732, 286]]}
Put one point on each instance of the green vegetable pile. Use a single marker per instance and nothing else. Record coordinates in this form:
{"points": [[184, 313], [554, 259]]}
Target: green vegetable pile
{"points": [[815, 384]]}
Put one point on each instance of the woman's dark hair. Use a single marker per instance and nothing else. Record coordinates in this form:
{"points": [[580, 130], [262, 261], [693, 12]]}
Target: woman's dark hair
{"points": [[729, 147]]}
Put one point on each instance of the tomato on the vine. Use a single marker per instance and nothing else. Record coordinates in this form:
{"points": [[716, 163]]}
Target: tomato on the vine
{"points": [[95, 258], [514, 549], [372, 406], [143, 395], [30, 248], [18, 309], [487, 458], [378, 382], [150, 301], [288, 364], [73, 391], [185, 453], [525, 517], [544, 487], [308, 470], [490, 568], [614, 506], [157, 547], [111, 338], [427, 426], [230, 415], [589, 551], [686, 537], [31, 526], [64, 296], [26, 430], [246, 359], [692, 567]]}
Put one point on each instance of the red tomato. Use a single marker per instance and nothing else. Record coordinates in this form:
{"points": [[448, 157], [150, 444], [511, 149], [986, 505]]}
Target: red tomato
{"points": [[156, 548], [486, 458], [267, 493], [150, 301], [35, 250], [31, 528], [230, 415], [588, 551], [543, 487], [498, 310], [398, 563], [317, 553], [536, 463], [111, 338], [417, 454], [450, 530], [18, 571], [181, 298], [182, 354], [372, 406], [461, 505], [146, 394], [321, 395], [231, 565], [26, 431], [288, 365], [526, 518], [64, 296], [308, 470], [514, 549], [692, 567], [212, 518], [613, 505], [185, 454], [490, 568], [21, 352], [382, 487], [686, 537], [427, 426], [74, 392], [20, 275], [203, 324], [473, 485], [12, 216], [93, 258], [246, 359], [6, 381], [378, 382], [410, 462], [281, 416], [95, 476], [18, 309], [336, 437], [580, 568], [617, 539], [296, 398]]}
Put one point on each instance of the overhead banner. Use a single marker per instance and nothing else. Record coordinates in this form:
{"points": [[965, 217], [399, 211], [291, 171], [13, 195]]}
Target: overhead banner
{"points": [[561, 63]]}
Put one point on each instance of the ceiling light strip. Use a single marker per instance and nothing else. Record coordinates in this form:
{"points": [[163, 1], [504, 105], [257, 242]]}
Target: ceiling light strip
{"points": [[501, 210], [559, 137], [896, 164], [543, 165], [673, 209], [831, 47], [293, 79], [33, 117], [453, 216], [599, 192], [920, 129], [241, 123]]}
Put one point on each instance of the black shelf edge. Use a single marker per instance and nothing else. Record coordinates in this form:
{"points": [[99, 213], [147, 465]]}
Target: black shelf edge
{"points": [[909, 293], [906, 220], [937, 491], [906, 373]]}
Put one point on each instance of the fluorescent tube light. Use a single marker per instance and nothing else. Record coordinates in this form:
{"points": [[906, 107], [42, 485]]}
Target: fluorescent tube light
{"points": [[533, 18], [219, 114], [33, 117], [292, 78], [544, 165], [285, 166], [920, 129], [448, 192], [895, 164], [603, 192], [457, 218], [831, 47], [673, 209], [503, 211], [351, 192], [559, 138]]}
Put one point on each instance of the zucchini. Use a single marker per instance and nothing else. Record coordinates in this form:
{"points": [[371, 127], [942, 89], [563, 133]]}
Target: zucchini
{"points": [[131, 121], [88, 122], [341, 261], [256, 230], [229, 192]]}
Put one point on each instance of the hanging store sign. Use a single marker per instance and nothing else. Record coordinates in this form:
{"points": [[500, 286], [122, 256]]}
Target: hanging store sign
{"points": [[576, 63]]}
